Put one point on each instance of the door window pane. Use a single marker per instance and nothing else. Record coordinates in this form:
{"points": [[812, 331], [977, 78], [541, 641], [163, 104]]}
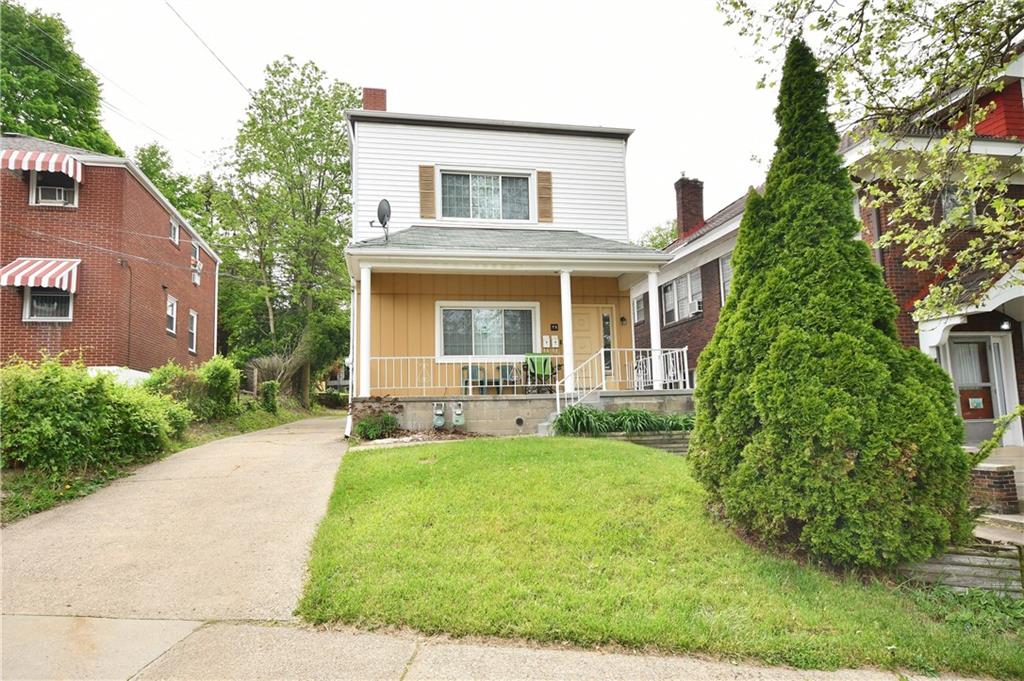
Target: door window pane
{"points": [[454, 195], [518, 332], [457, 331], [515, 198]]}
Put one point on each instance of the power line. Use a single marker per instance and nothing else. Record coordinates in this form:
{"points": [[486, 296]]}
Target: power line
{"points": [[210, 49], [40, 62]]}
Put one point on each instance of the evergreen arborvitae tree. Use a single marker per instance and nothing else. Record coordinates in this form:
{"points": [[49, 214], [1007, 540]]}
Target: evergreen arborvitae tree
{"points": [[815, 428]]}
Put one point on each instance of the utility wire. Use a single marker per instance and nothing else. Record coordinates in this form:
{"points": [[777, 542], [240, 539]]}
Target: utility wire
{"points": [[40, 62], [210, 49]]}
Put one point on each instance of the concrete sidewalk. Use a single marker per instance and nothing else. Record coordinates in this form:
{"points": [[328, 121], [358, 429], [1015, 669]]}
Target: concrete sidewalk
{"points": [[287, 650]]}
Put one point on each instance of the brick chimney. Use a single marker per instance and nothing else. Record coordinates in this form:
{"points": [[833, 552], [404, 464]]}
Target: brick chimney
{"points": [[689, 205], [375, 99]]}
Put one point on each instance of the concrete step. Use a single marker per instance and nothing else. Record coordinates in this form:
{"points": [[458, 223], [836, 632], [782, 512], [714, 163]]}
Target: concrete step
{"points": [[1013, 522], [997, 534]]}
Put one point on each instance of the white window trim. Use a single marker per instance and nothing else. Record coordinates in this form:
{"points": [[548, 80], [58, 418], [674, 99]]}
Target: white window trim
{"points": [[26, 309], [193, 330], [52, 204], [531, 175], [721, 275], [175, 235], [174, 317], [441, 305], [639, 310], [196, 264]]}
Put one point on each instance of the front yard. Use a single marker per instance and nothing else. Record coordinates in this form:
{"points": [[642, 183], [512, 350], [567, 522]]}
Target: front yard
{"points": [[594, 542]]}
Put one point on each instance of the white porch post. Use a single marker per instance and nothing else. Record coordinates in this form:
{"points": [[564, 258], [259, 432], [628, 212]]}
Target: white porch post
{"points": [[568, 358], [654, 299], [364, 331]]}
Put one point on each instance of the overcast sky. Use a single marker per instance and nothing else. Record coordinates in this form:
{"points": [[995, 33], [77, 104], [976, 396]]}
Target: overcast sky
{"points": [[672, 71]]}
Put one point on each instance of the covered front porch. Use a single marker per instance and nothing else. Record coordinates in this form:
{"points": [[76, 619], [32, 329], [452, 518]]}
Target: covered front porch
{"points": [[502, 313]]}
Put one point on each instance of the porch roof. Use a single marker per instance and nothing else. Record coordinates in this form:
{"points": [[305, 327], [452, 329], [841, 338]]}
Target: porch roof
{"points": [[545, 249]]}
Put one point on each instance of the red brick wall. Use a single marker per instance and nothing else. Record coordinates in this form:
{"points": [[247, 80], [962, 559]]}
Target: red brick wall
{"points": [[694, 332], [111, 203]]}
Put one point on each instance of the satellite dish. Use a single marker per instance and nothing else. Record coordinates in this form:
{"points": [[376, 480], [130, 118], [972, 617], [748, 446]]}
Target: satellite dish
{"points": [[383, 212]]}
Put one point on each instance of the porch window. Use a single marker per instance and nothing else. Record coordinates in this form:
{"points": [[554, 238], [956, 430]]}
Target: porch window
{"points": [[639, 311], [486, 330], [681, 297], [485, 197]]}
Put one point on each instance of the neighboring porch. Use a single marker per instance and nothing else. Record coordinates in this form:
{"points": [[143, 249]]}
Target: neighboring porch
{"points": [[530, 314]]}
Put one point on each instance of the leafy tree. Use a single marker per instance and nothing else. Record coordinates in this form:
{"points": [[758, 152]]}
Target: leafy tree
{"points": [[916, 67], [285, 211], [192, 196], [659, 236], [815, 427], [48, 91]]}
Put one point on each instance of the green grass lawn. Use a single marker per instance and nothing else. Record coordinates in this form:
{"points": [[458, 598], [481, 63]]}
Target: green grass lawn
{"points": [[596, 542], [25, 492]]}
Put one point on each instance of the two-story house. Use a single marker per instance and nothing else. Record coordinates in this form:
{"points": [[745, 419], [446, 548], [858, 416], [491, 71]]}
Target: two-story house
{"points": [[505, 270], [95, 262]]}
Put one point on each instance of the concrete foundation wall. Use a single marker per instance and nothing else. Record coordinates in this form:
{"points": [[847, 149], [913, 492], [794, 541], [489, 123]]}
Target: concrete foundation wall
{"points": [[660, 401]]}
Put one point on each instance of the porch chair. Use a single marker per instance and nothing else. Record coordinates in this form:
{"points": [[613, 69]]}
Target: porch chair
{"points": [[508, 377], [541, 373], [474, 379]]}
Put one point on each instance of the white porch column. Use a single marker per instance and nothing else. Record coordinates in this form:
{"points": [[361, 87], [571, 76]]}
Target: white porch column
{"points": [[364, 331], [568, 357], [654, 323]]}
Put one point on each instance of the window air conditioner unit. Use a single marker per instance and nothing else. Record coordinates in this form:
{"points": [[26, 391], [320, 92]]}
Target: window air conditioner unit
{"points": [[696, 306]]}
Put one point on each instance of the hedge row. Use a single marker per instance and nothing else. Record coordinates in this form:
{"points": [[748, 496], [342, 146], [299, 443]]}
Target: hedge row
{"points": [[210, 391], [59, 417]]}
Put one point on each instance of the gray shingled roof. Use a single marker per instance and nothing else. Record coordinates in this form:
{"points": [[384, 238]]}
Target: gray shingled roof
{"points": [[539, 241], [18, 142]]}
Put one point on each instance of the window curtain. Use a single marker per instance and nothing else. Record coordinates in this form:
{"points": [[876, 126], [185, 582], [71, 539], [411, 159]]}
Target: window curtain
{"points": [[487, 332], [486, 197], [967, 365]]}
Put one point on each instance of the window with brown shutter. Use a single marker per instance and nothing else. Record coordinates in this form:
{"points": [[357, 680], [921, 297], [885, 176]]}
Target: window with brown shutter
{"points": [[545, 213], [428, 195]]}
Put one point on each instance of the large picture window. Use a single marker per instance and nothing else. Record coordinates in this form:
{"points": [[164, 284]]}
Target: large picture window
{"points": [[486, 329], [681, 297], [485, 197]]}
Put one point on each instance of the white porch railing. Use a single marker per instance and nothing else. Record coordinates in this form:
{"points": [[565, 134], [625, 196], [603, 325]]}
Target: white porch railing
{"points": [[406, 376], [624, 369]]}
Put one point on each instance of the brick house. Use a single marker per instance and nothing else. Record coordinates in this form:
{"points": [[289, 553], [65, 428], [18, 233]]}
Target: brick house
{"points": [[95, 261], [980, 346]]}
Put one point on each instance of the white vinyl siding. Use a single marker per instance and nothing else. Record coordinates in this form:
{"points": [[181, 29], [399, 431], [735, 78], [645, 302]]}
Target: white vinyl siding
{"points": [[588, 174]]}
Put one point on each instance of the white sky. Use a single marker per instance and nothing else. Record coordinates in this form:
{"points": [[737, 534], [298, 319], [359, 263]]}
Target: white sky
{"points": [[671, 70]]}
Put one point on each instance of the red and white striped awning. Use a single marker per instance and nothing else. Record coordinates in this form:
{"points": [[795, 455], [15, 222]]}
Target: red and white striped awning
{"points": [[59, 273], [50, 161]]}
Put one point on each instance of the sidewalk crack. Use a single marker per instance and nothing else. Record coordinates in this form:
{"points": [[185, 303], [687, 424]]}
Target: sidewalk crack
{"points": [[408, 663]]}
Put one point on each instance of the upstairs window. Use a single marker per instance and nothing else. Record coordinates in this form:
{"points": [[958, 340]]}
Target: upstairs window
{"points": [[682, 297], [46, 305], [175, 232], [196, 264], [53, 189], [954, 204], [485, 197], [172, 315]]}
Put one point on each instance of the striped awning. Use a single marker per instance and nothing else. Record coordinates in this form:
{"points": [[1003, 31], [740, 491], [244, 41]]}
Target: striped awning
{"points": [[51, 161], [59, 273]]}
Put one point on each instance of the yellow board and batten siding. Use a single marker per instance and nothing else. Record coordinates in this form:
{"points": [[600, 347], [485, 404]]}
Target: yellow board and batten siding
{"points": [[403, 309]]}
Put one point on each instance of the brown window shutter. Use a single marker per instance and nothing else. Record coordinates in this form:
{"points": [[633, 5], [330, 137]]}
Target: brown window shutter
{"points": [[544, 211], [428, 195]]}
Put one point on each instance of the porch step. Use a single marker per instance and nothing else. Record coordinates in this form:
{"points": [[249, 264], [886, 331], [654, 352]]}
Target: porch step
{"points": [[999, 534], [1013, 522]]}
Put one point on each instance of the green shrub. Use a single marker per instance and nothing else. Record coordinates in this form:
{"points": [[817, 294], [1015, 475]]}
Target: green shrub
{"points": [[376, 426], [268, 395], [332, 399], [637, 421], [57, 417], [222, 381], [581, 419], [679, 421], [815, 428]]}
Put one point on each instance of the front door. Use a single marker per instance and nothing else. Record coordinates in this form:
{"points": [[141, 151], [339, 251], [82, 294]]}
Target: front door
{"points": [[976, 365], [591, 331]]}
